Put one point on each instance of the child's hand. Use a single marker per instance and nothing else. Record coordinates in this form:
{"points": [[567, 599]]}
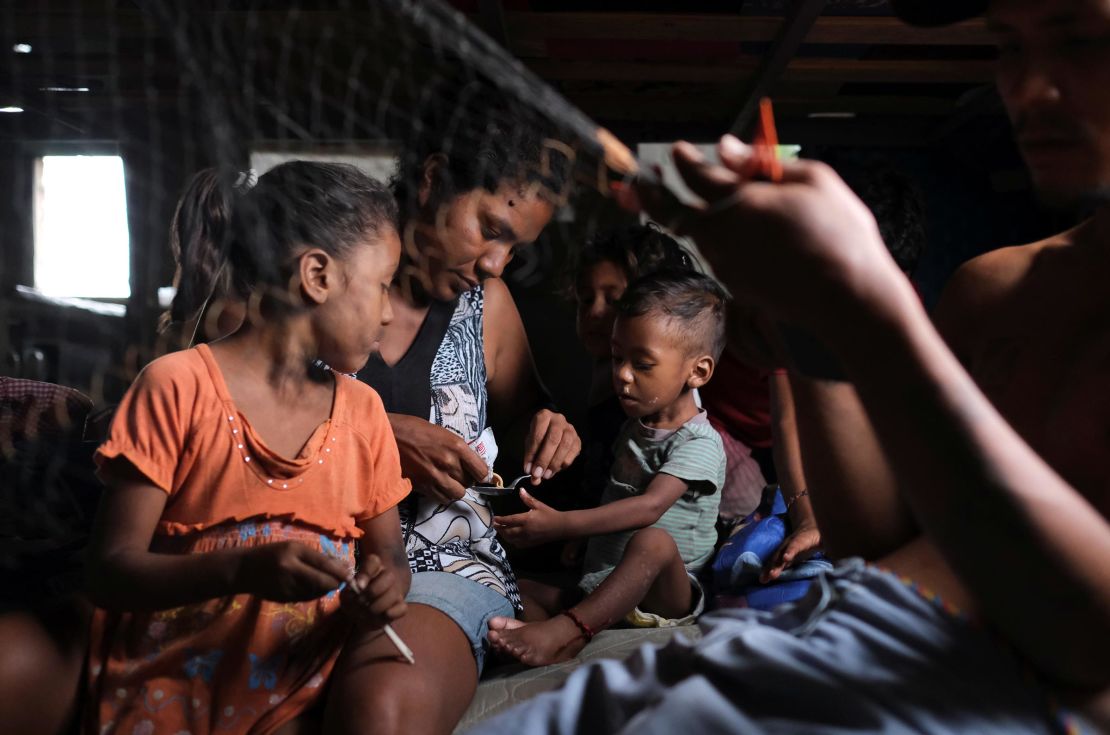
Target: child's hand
{"points": [[289, 572], [539, 524], [375, 595]]}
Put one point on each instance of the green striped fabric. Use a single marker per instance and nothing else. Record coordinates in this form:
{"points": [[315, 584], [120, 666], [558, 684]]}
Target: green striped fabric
{"points": [[693, 453]]}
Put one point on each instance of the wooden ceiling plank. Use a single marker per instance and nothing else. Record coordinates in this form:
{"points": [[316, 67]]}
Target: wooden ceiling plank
{"points": [[872, 30], [523, 27], [901, 70], [797, 70], [643, 26]]}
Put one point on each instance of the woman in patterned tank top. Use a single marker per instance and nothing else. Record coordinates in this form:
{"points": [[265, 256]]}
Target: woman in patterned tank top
{"points": [[455, 371]]}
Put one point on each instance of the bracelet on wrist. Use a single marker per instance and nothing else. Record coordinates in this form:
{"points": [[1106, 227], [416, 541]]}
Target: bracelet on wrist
{"points": [[790, 503]]}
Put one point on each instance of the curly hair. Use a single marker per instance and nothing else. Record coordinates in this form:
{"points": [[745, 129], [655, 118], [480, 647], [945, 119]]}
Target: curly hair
{"points": [[636, 249], [484, 142]]}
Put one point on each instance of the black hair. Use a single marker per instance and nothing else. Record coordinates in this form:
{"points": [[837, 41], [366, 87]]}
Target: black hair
{"points": [[484, 142], [895, 200], [198, 241], [636, 249], [331, 206], [692, 302]]}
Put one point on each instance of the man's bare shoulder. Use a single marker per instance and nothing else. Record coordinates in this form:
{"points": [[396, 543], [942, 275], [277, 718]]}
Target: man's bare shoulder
{"points": [[997, 274], [991, 286]]}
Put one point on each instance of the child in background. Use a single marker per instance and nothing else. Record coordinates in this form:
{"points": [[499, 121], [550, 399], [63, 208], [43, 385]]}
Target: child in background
{"points": [[656, 526], [601, 272], [241, 476]]}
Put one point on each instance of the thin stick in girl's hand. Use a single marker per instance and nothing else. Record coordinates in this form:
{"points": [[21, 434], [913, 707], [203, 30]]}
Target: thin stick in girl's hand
{"points": [[399, 644], [395, 639]]}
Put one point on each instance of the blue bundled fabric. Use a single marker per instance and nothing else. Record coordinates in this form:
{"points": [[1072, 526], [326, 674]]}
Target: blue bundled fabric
{"points": [[741, 558]]}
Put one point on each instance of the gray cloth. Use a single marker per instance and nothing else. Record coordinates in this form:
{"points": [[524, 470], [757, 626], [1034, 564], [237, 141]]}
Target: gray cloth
{"points": [[693, 452], [862, 652]]}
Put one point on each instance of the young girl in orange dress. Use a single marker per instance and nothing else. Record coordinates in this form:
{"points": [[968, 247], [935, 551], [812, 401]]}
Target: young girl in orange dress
{"points": [[246, 480]]}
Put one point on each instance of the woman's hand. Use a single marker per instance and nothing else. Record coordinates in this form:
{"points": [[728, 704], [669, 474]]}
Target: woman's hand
{"points": [[289, 571], [440, 464], [376, 597], [551, 445], [539, 524]]}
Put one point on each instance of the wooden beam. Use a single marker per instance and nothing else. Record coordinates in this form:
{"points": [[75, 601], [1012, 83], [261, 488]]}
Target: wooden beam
{"points": [[631, 105], [915, 71], [638, 71], [797, 70], [865, 30], [794, 30], [642, 26], [880, 30], [88, 27]]}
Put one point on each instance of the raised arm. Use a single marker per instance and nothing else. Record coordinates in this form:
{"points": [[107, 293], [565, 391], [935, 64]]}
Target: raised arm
{"points": [[987, 501]]}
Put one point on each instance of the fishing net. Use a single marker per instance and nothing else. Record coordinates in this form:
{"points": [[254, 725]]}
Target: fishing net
{"points": [[112, 105]]}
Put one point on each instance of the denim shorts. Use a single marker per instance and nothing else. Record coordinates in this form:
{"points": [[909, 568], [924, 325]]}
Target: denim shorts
{"points": [[468, 603]]}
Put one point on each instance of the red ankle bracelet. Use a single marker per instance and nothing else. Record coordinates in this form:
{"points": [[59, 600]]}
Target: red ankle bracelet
{"points": [[587, 631]]}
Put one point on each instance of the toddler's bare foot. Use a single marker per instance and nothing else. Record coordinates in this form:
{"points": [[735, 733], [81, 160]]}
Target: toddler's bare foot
{"points": [[537, 644], [500, 622]]}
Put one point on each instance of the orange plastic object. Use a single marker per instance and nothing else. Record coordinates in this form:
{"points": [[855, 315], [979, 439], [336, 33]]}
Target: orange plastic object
{"points": [[765, 141]]}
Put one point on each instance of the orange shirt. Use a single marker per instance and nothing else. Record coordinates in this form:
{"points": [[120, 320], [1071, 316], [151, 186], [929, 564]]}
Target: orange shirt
{"points": [[179, 427]]}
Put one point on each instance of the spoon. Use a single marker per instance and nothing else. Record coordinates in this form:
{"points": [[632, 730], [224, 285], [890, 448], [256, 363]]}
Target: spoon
{"points": [[495, 491]]}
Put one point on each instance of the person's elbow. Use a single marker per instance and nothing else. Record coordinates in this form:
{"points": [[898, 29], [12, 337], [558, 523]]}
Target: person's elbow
{"points": [[648, 512], [102, 582]]}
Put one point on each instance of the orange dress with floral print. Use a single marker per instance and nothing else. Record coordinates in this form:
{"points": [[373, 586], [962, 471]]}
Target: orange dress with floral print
{"points": [[237, 664]]}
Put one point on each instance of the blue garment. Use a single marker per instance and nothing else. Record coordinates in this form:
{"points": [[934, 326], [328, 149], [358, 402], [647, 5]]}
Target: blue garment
{"points": [[741, 559], [469, 605], [862, 652]]}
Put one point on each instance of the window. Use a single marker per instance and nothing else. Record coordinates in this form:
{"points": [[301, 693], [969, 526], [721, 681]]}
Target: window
{"points": [[81, 239]]}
